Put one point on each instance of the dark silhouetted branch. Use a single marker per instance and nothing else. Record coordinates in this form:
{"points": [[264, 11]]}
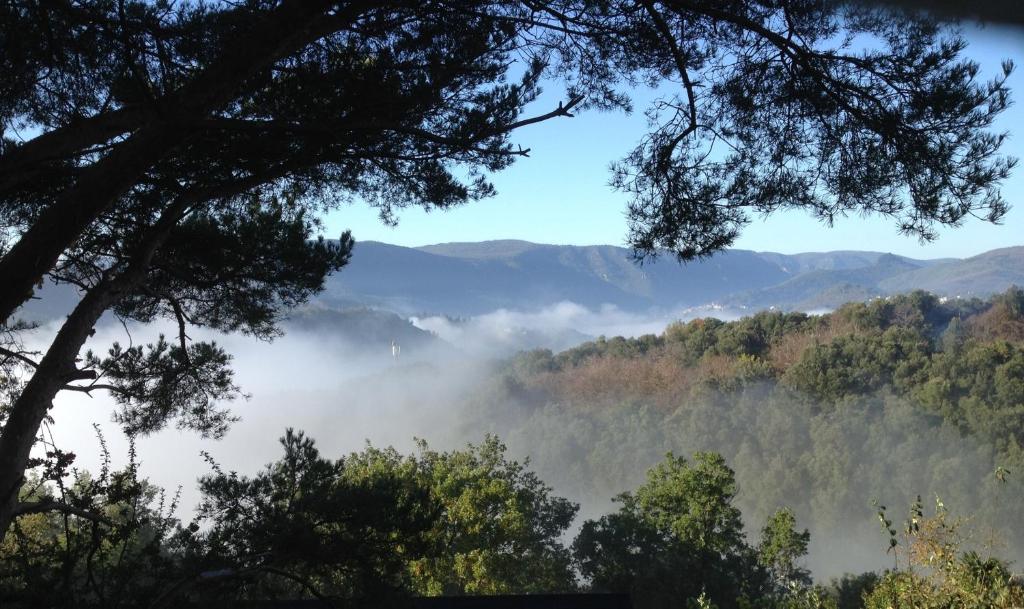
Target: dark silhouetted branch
{"points": [[49, 505]]}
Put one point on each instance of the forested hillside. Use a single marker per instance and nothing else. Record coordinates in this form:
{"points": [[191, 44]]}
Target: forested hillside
{"points": [[744, 464], [882, 401]]}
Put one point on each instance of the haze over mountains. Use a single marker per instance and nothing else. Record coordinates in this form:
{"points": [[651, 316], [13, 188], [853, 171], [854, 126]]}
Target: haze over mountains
{"points": [[497, 297], [467, 279]]}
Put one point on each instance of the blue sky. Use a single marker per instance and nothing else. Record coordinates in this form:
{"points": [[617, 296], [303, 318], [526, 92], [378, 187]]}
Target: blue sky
{"points": [[560, 194]]}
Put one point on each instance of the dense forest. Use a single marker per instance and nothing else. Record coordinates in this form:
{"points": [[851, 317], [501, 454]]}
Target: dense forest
{"points": [[766, 447], [877, 401]]}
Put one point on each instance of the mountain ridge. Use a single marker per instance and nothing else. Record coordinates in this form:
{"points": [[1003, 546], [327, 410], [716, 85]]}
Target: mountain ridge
{"points": [[470, 278], [474, 278]]}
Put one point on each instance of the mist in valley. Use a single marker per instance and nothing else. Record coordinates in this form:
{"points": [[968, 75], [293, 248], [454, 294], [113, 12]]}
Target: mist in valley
{"points": [[453, 389]]}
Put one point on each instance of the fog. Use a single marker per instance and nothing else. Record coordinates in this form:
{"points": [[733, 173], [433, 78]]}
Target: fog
{"points": [[557, 327], [341, 392], [345, 393]]}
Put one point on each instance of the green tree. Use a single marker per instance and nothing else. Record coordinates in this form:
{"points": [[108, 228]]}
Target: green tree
{"points": [[849, 590], [305, 525], [690, 341], [980, 389], [677, 536], [953, 337], [694, 503], [861, 364], [781, 548], [499, 530], [379, 524]]}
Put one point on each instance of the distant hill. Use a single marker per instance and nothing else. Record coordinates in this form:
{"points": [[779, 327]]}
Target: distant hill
{"points": [[828, 261], [469, 279], [816, 289], [474, 278], [360, 326], [979, 275]]}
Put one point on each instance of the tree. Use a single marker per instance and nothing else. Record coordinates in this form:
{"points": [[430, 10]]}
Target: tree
{"points": [[185, 151], [379, 524], [677, 536], [88, 540], [305, 525], [940, 572], [498, 527], [782, 547], [953, 337], [849, 590], [375, 524], [170, 159]]}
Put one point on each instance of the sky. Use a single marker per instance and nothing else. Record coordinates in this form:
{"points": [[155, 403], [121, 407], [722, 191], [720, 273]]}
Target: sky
{"points": [[560, 194]]}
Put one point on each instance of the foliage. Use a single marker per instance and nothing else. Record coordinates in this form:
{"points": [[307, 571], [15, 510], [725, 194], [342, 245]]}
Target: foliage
{"points": [[941, 573], [941, 355], [162, 382], [678, 536], [498, 529], [88, 541], [821, 414], [859, 364], [303, 524], [849, 590], [382, 525], [377, 524], [782, 546]]}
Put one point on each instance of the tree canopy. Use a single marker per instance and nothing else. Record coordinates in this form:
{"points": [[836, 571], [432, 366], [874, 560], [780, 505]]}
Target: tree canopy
{"points": [[675, 537], [374, 526]]}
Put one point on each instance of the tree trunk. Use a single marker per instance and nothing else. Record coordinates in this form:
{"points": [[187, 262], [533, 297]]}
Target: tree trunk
{"points": [[29, 410], [57, 367]]}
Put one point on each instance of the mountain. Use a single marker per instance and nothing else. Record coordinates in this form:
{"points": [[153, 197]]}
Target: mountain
{"points": [[993, 271], [825, 261], [473, 278], [821, 289], [470, 279], [360, 327]]}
